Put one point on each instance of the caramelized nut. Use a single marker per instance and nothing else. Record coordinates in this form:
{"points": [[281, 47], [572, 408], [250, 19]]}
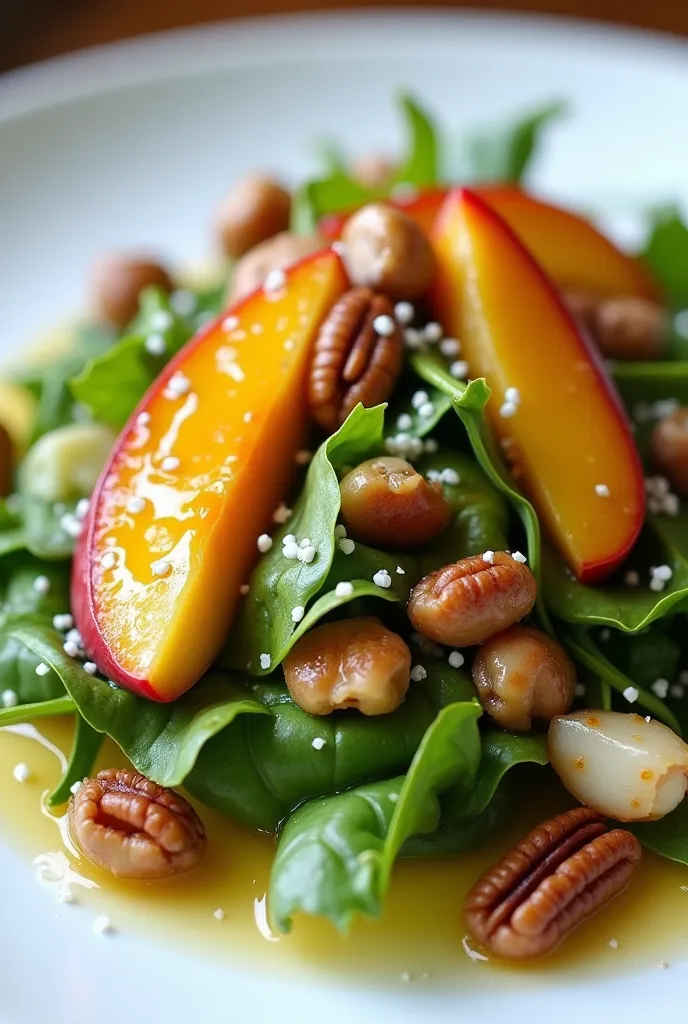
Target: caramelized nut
{"points": [[373, 170], [276, 253], [560, 874], [255, 209], [6, 463], [522, 674], [134, 828], [353, 663], [386, 250], [622, 765], [670, 448], [630, 328], [583, 306], [352, 361], [385, 502], [465, 603], [117, 282]]}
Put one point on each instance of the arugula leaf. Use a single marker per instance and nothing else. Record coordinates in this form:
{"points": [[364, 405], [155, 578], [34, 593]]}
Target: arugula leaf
{"points": [[667, 837], [585, 651], [85, 749], [335, 855], [502, 154], [112, 384], [666, 253], [630, 609], [420, 166], [278, 585]]}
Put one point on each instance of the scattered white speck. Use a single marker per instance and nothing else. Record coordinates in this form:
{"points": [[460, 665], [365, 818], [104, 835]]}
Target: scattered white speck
{"points": [[219, 914], [418, 672], [459, 369], [65, 895], [384, 325], [136, 505], [400, 571], [183, 302], [306, 554], [244, 589], [488, 556], [382, 579], [518, 556], [265, 661], [456, 659], [70, 524], [657, 586], [63, 622], [264, 543], [413, 339], [393, 797], [419, 398], [143, 419], [42, 669], [108, 560], [21, 772], [512, 395], [677, 691], [631, 578], [339, 531], [318, 743], [9, 699], [660, 688], [344, 589], [433, 332], [434, 476], [230, 323], [303, 457], [275, 281], [426, 410], [662, 572], [290, 549], [508, 409], [450, 347], [406, 976], [602, 491], [297, 613], [71, 649], [648, 718], [305, 542], [404, 312], [169, 463], [282, 514], [631, 694], [41, 585], [579, 690], [102, 925], [614, 943], [288, 345], [161, 320], [404, 422], [75, 787], [161, 567], [82, 507], [90, 667], [155, 345], [74, 636], [450, 476], [177, 385], [347, 546]]}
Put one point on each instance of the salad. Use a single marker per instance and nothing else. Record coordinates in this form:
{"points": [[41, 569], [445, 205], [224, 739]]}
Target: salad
{"points": [[341, 541]]}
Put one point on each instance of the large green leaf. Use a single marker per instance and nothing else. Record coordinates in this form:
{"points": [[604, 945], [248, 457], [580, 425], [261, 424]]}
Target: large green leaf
{"points": [[666, 253], [85, 749], [667, 837]]}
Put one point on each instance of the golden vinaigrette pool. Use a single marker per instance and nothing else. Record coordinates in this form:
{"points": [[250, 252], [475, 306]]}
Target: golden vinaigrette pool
{"points": [[220, 908]]}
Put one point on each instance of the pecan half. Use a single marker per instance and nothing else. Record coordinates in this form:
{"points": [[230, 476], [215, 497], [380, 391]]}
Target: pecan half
{"points": [[352, 361], [561, 873], [134, 828]]}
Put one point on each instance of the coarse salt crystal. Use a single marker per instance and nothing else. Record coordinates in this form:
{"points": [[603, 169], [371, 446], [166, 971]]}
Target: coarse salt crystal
{"points": [[339, 531], [660, 688], [297, 613], [450, 347], [602, 491], [418, 673], [512, 395], [275, 281], [404, 422], [657, 586], [177, 385], [136, 505], [230, 323], [382, 579], [264, 543], [419, 398], [169, 463], [161, 567], [70, 524], [488, 556], [404, 312], [400, 571], [318, 743], [219, 914], [290, 549], [614, 943], [21, 772], [344, 589], [155, 345], [63, 622], [347, 546], [41, 585], [459, 369], [426, 410], [90, 667], [508, 409], [384, 325], [9, 699], [631, 694], [70, 648], [306, 554], [42, 669], [265, 660], [662, 572], [143, 419], [433, 332], [456, 659], [75, 787], [82, 507], [102, 925], [518, 556], [450, 476], [162, 320], [108, 560]]}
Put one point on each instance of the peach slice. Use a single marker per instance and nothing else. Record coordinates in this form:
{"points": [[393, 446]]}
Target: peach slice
{"points": [[193, 480], [573, 252], [553, 406]]}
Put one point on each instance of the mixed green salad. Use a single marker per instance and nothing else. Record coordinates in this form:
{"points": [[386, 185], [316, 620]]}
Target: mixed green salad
{"points": [[346, 794]]}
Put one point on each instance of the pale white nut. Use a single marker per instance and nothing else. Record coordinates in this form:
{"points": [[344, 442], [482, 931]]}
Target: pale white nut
{"points": [[65, 463], [619, 764]]}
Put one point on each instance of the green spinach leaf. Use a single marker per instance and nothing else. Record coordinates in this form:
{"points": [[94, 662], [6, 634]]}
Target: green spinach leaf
{"points": [[47, 529], [667, 837], [85, 749], [666, 253]]}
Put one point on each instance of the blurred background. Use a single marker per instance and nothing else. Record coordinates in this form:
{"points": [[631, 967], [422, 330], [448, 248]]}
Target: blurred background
{"points": [[32, 30]]}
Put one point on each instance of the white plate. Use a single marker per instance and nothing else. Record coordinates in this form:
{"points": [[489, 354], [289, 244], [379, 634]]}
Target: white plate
{"points": [[133, 145]]}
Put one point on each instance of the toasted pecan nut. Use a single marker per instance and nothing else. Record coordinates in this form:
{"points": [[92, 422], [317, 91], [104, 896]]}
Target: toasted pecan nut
{"points": [[117, 281], [256, 208], [134, 828], [630, 328], [560, 874], [471, 600], [352, 360], [670, 448]]}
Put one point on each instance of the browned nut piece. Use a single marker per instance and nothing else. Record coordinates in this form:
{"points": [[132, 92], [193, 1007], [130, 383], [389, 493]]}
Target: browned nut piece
{"points": [[117, 281], [522, 674], [670, 448], [563, 872], [6, 462], [583, 306], [387, 503], [255, 209], [386, 250], [630, 328], [373, 170], [134, 828], [353, 663], [275, 253], [355, 358], [467, 602]]}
